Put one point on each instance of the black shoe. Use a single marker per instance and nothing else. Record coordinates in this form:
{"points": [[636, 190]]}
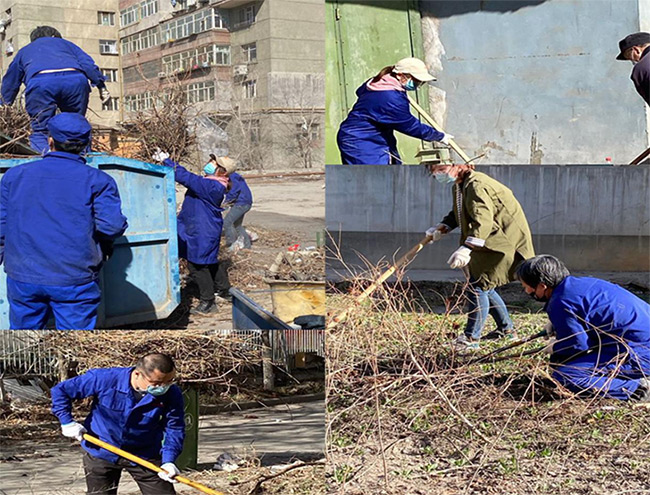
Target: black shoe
{"points": [[205, 308], [501, 334]]}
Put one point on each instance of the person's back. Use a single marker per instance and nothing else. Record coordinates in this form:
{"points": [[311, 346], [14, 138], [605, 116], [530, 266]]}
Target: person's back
{"points": [[240, 193], [52, 233]]}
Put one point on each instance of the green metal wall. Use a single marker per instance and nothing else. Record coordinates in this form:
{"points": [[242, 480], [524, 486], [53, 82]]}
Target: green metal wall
{"points": [[362, 37]]}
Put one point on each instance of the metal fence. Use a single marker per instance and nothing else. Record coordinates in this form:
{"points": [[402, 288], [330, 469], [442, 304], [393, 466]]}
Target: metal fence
{"points": [[22, 352]]}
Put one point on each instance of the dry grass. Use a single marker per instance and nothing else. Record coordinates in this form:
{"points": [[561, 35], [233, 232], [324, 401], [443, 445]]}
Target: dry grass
{"points": [[408, 415]]}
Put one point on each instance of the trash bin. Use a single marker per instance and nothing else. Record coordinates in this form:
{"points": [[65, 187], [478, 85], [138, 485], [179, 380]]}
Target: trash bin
{"points": [[189, 456]]}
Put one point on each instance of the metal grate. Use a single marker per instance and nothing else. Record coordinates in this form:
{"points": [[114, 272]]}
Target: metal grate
{"points": [[22, 353]]}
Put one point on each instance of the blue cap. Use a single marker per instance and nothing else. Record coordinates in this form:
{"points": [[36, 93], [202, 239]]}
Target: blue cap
{"points": [[69, 126]]}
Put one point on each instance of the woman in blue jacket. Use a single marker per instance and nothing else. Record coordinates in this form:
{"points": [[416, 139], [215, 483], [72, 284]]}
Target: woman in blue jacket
{"points": [[200, 222], [366, 136]]}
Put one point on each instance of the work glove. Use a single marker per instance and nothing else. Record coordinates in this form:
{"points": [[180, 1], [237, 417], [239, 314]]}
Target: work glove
{"points": [[445, 138], [171, 471], [73, 430], [104, 95], [550, 329], [549, 347], [460, 257], [435, 233], [107, 249], [159, 155]]}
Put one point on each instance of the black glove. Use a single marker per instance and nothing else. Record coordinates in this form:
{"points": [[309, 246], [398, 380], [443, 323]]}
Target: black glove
{"points": [[107, 249]]}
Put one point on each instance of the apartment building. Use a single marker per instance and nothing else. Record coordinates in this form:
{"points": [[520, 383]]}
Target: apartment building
{"points": [[91, 24]]}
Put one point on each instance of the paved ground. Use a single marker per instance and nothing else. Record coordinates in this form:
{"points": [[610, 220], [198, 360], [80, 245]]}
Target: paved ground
{"points": [[276, 435]]}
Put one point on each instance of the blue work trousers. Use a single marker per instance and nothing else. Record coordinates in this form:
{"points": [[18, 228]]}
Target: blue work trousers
{"points": [[31, 305], [232, 225], [480, 304], [614, 377], [68, 91]]}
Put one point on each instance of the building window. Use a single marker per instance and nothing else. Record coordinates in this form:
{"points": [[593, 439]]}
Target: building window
{"points": [[250, 89], [254, 131], [112, 104], [148, 7], [199, 92], [197, 22], [140, 41], [110, 74], [130, 15], [139, 102], [307, 132], [108, 47], [106, 18], [250, 52], [246, 16], [200, 58]]}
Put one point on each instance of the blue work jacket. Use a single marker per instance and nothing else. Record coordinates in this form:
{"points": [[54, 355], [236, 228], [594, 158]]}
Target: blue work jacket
{"points": [[366, 136], [54, 215], [47, 54], [590, 314], [200, 221], [240, 193], [150, 427]]}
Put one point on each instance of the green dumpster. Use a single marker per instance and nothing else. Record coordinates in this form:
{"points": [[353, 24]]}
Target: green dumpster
{"points": [[189, 456]]}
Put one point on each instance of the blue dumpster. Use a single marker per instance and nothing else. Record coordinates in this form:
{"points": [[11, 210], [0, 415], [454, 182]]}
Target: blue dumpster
{"points": [[141, 281]]}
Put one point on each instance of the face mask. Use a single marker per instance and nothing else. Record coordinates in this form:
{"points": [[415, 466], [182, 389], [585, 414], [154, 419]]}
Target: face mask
{"points": [[410, 85], [538, 299], [210, 168], [445, 178], [158, 389]]}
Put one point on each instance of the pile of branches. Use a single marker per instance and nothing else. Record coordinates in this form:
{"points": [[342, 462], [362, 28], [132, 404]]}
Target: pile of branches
{"points": [[199, 355], [14, 123], [300, 266], [407, 413]]}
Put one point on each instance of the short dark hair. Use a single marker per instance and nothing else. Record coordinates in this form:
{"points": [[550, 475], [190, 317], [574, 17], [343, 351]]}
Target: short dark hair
{"points": [[156, 362], [44, 32], [543, 269], [74, 147]]}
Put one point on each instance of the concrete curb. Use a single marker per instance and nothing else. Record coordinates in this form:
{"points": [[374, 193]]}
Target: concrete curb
{"points": [[242, 406]]}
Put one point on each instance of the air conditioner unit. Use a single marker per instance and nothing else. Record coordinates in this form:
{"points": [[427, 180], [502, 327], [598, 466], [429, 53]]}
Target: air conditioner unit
{"points": [[191, 3], [162, 74], [240, 70]]}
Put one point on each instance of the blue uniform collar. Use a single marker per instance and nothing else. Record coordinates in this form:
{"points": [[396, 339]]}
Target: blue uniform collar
{"points": [[63, 154], [555, 291]]}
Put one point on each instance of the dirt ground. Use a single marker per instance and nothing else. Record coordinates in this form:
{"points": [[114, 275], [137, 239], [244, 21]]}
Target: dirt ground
{"points": [[286, 211]]}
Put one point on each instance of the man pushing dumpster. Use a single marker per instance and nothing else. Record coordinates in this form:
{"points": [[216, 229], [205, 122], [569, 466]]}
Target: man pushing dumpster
{"points": [[601, 332], [137, 409], [58, 220], [56, 74]]}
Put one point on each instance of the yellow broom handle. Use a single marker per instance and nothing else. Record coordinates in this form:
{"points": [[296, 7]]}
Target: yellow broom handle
{"points": [[147, 464]]}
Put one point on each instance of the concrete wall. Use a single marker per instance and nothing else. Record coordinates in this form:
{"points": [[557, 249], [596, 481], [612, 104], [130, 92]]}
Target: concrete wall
{"points": [[77, 23], [595, 218], [536, 81]]}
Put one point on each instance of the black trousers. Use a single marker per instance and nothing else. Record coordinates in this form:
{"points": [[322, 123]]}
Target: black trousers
{"points": [[210, 279], [102, 477]]}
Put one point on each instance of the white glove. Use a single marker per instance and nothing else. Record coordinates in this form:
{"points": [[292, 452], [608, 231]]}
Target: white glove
{"points": [[445, 138], [435, 233], [550, 330], [549, 347], [159, 156], [460, 257], [172, 471], [73, 430], [104, 95]]}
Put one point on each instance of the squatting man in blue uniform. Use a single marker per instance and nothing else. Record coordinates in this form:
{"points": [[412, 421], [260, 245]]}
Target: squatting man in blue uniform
{"points": [[601, 343], [200, 225], [55, 73], [366, 136], [136, 409], [58, 220]]}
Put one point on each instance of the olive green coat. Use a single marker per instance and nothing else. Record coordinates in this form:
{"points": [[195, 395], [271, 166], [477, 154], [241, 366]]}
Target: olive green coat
{"points": [[493, 223]]}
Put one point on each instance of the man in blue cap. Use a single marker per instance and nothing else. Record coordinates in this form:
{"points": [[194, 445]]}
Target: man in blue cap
{"points": [[55, 73], [58, 220], [137, 409]]}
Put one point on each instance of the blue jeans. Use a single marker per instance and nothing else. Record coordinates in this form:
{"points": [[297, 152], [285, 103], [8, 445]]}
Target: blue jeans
{"points": [[74, 307], [480, 303], [232, 225]]}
